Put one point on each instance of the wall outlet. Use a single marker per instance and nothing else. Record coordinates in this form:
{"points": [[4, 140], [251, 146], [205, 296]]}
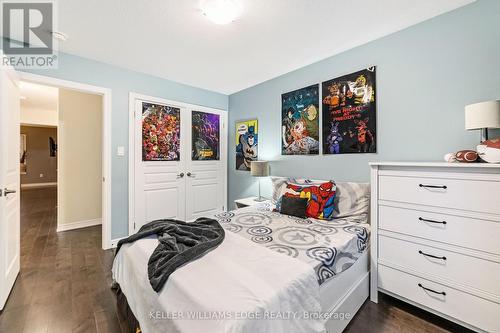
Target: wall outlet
{"points": [[41, 175]]}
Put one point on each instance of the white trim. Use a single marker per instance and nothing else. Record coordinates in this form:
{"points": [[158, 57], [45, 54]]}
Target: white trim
{"points": [[350, 303], [374, 169], [437, 165], [114, 242], [37, 125], [78, 225], [38, 185], [106, 144], [131, 162]]}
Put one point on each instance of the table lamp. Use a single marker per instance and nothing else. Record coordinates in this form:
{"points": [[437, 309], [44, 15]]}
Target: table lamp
{"points": [[482, 116], [259, 169]]}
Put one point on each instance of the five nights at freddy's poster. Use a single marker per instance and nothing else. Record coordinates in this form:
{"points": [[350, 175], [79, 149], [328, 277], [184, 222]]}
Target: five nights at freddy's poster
{"points": [[300, 121], [349, 113], [205, 136]]}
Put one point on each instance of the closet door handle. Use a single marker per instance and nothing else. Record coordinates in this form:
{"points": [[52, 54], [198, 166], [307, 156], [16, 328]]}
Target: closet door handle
{"points": [[431, 290], [181, 175], [189, 174], [444, 187], [431, 221], [431, 255]]}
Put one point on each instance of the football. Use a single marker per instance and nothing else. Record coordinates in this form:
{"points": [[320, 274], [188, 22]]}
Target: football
{"points": [[466, 156]]}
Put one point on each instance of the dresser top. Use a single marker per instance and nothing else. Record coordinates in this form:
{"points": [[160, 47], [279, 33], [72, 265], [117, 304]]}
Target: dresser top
{"points": [[438, 164]]}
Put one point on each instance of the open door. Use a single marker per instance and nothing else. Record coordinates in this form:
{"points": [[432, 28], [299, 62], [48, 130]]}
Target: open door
{"points": [[9, 181]]}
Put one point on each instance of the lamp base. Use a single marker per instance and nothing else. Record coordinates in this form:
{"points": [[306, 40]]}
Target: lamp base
{"points": [[259, 199], [484, 134]]}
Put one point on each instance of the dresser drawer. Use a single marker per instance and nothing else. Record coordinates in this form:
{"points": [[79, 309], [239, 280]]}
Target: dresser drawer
{"points": [[465, 232], [460, 268], [472, 195], [467, 308]]}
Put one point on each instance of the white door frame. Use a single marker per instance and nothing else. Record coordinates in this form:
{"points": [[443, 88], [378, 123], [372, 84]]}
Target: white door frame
{"points": [[131, 156], [106, 137]]}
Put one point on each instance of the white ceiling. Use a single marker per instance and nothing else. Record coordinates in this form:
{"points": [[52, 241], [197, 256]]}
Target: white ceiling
{"points": [[173, 40], [39, 97]]}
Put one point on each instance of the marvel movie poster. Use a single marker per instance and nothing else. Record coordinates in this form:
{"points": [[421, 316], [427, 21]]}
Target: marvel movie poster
{"points": [[160, 132], [300, 121], [205, 136], [349, 113], [246, 144]]}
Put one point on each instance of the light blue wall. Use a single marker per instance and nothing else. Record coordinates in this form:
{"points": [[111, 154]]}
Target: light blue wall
{"points": [[426, 74], [121, 82]]}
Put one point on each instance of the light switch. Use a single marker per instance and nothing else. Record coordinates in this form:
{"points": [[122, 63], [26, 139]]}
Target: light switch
{"points": [[120, 151]]}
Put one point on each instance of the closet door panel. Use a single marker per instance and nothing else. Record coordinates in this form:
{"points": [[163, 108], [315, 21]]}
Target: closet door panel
{"points": [[206, 164], [159, 162]]}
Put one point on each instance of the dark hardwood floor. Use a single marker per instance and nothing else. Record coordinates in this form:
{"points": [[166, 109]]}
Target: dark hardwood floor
{"points": [[64, 284]]}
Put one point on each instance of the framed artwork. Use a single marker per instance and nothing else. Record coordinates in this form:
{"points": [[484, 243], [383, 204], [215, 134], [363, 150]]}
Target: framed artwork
{"points": [[160, 132], [246, 144], [205, 136], [349, 113], [300, 121]]}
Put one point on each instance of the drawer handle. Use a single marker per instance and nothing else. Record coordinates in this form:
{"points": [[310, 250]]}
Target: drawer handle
{"points": [[431, 221], [444, 187], [431, 255], [432, 291]]}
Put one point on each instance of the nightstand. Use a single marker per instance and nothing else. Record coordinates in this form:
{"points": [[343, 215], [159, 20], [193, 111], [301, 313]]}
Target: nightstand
{"points": [[245, 202]]}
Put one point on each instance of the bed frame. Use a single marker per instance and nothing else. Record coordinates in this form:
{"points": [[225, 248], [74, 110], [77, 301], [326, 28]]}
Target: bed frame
{"points": [[345, 293]]}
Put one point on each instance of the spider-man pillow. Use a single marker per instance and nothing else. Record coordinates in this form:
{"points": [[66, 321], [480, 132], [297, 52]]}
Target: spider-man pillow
{"points": [[320, 196]]}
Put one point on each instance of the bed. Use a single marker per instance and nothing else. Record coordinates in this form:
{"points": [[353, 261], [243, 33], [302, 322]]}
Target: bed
{"points": [[272, 273]]}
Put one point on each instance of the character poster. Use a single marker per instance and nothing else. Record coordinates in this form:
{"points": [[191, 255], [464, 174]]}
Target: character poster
{"points": [[349, 113], [160, 132], [246, 144], [205, 136], [300, 121]]}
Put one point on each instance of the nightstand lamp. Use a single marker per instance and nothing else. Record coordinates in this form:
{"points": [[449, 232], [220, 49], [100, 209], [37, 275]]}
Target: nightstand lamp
{"points": [[259, 169], [482, 116]]}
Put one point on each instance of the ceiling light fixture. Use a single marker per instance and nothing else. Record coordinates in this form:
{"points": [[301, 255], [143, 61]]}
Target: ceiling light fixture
{"points": [[221, 11]]}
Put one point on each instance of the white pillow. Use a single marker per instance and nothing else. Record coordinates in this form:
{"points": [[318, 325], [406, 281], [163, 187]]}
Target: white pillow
{"points": [[351, 199], [279, 185]]}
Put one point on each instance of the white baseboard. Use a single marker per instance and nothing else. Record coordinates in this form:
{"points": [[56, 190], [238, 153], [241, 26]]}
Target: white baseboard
{"points": [[114, 242], [78, 225], [38, 185]]}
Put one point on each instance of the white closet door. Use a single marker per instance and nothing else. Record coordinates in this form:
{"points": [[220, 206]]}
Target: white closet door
{"points": [[206, 163], [160, 159]]}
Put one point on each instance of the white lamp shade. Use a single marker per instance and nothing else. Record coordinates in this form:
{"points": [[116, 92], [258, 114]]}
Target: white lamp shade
{"points": [[259, 169], [482, 115]]}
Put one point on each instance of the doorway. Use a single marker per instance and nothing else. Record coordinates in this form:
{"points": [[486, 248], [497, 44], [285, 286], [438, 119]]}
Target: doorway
{"points": [[18, 159], [83, 154]]}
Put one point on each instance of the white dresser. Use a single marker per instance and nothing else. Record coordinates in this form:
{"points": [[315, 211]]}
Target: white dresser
{"points": [[436, 239]]}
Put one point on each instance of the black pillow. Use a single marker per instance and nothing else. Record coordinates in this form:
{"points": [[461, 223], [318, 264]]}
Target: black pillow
{"points": [[293, 206]]}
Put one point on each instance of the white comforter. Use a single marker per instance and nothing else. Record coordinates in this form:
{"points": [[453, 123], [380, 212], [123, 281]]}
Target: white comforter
{"points": [[238, 287]]}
